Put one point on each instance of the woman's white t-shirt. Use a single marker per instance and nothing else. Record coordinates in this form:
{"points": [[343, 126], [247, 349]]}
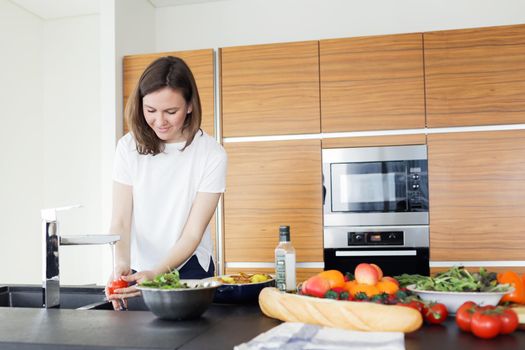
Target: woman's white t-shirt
{"points": [[164, 188]]}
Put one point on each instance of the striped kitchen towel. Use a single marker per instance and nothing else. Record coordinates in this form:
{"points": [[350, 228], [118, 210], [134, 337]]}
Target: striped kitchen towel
{"points": [[295, 336]]}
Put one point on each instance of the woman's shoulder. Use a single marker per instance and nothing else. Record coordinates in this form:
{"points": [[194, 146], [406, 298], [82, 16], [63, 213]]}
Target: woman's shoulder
{"points": [[127, 146], [209, 144], [127, 141]]}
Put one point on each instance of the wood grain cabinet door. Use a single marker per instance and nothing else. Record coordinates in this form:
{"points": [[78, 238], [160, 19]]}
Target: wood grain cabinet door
{"points": [[271, 184], [477, 196], [200, 63], [270, 89], [372, 83], [475, 76]]}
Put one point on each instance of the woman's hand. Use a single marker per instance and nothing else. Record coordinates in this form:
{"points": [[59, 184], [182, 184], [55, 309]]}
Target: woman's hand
{"points": [[132, 291], [113, 293]]}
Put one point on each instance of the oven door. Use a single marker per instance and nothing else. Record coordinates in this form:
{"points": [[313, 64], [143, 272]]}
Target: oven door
{"points": [[396, 249], [393, 261]]}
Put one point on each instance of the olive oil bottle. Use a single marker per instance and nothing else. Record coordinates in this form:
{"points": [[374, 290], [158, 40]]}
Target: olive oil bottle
{"points": [[285, 261]]}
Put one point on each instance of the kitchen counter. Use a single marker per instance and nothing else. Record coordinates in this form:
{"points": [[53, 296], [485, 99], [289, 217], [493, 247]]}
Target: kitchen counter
{"points": [[221, 327]]}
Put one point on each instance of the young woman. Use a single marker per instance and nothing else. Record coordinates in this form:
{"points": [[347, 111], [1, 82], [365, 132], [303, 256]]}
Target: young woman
{"points": [[168, 177]]}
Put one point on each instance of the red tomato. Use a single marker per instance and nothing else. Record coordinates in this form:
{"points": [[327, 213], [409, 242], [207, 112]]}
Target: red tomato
{"points": [[116, 284], [464, 315], [414, 304], [316, 286], [436, 313], [486, 307], [509, 321], [485, 324]]}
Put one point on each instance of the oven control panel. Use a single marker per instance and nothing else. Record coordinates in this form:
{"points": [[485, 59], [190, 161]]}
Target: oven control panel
{"points": [[376, 238]]}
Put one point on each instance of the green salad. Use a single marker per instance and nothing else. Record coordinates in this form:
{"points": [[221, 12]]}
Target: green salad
{"points": [[169, 280], [457, 279]]}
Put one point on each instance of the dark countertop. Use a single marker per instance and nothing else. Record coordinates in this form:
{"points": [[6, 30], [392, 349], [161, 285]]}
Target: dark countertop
{"points": [[221, 327]]}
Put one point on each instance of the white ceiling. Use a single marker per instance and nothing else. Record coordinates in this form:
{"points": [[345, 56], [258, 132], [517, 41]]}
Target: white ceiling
{"points": [[53, 9]]}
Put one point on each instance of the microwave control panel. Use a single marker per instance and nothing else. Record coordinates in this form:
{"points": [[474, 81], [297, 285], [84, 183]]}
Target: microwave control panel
{"points": [[417, 185]]}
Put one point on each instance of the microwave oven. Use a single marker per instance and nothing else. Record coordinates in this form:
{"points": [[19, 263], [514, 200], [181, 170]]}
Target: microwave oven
{"points": [[375, 186]]}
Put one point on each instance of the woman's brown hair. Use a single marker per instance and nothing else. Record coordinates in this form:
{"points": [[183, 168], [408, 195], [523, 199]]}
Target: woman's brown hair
{"points": [[168, 71]]}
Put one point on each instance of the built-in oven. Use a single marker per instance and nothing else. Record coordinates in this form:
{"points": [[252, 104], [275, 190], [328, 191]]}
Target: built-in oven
{"points": [[396, 249], [375, 203]]}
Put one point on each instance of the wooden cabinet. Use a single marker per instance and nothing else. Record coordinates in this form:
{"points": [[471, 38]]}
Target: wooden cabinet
{"points": [[475, 76], [271, 184], [270, 89], [477, 196], [372, 83], [200, 63]]}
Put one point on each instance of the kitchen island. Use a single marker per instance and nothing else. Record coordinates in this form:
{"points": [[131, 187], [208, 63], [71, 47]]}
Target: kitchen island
{"points": [[221, 327]]}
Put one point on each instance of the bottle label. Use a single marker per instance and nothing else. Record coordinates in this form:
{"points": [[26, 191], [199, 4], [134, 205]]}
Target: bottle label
{"points": [[280, 270]]}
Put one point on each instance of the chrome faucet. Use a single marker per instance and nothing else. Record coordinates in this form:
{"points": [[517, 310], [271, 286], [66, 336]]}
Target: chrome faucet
{"points": [[51, 241]]}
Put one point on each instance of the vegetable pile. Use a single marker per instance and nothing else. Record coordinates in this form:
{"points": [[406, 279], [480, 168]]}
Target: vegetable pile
{"points": [[457, 279], [170, 280], [368, 284]]}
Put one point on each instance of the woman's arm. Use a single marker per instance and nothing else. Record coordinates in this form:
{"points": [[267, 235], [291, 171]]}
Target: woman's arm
{"points": [[200, 215]]}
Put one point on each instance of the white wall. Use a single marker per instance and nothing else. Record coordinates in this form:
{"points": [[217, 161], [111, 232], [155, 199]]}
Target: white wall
{"points": [[21, 141], [245, 22], [62, 115], [50, 138], [71, 139]]}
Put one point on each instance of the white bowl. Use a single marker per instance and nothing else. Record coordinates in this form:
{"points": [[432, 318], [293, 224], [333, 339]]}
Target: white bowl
{"points": [[453, 300]]}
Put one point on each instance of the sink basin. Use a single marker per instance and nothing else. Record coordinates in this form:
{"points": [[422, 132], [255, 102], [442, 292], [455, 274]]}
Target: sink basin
{"points": [[86, 298]]}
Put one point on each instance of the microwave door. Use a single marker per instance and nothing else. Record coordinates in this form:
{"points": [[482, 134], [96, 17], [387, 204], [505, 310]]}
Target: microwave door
{"points": [[368, 187]]}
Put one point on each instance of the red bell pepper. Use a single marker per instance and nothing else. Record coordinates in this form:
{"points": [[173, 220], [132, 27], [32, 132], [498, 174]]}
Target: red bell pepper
{"points": [[512, 278]]}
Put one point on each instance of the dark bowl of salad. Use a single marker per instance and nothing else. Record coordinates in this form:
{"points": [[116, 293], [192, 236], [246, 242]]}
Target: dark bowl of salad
{"points": [[241, 288], [169, 297]]}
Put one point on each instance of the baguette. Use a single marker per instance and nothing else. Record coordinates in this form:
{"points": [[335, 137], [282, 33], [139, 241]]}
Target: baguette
{"points": [[359, 316]]}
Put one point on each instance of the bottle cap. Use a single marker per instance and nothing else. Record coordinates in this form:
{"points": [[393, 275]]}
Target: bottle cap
{"points": [[284, 233]]}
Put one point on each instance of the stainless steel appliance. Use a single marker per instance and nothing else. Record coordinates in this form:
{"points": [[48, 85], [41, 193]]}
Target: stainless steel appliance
{"points": [[375, 202], [396, 249]]}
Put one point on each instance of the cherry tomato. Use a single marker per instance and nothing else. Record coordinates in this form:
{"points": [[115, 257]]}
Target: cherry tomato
{"points": [[509, 321], [485, 324], [116, 284], [464, 315], [436, 313]]}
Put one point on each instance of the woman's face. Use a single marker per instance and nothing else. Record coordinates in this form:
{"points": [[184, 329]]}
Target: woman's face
{"points": [[165, 111]]}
